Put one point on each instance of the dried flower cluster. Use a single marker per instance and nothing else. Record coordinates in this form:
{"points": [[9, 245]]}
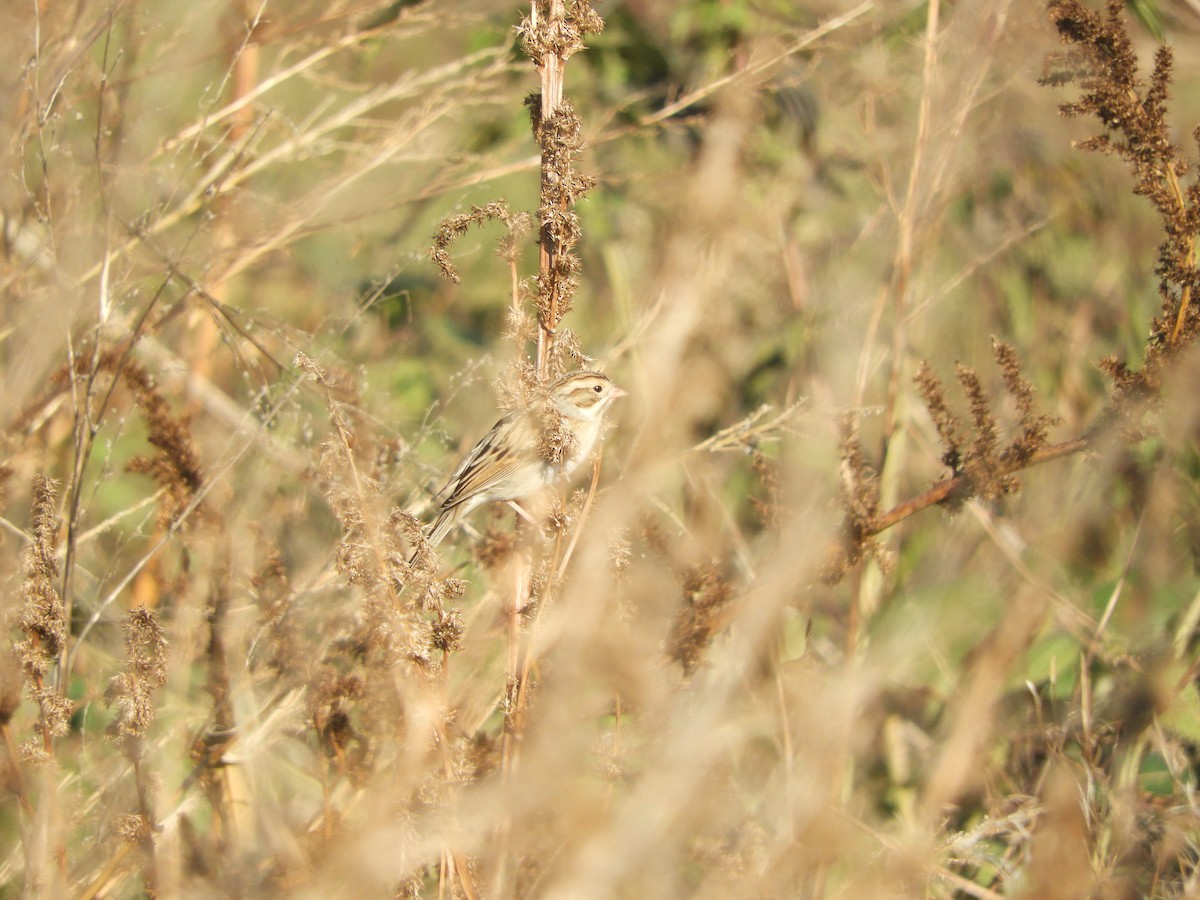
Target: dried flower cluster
{"points": [[272, 594], [374, 550], [42, 620], [560, 136], [407, 624], [556, 29], [1103, 63], [176, 467], [454, 227], [130, 693], [706, 594], [979, 465], [768, 504], [989, 469], [860, 499], [330, 703], [549, 36]]}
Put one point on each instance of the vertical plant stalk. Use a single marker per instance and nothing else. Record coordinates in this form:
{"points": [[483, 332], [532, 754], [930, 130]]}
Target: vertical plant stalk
{"points": [[512, 667], [88, 412], [552, 68], [908, 228], [583, 514], [1185, 295], [550, 35]]}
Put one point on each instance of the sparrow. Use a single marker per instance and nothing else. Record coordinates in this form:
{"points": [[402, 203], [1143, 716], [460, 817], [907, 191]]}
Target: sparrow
{"points": [[528, 449]]}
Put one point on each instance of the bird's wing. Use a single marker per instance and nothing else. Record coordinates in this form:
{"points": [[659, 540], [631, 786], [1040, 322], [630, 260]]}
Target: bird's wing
{"points": [[493, 459]]}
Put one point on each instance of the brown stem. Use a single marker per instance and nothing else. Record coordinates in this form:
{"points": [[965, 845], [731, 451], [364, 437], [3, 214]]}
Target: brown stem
{"points": [[18, 786], [1186, 296], [150, 876], [513, 674], [941, 491], [552, 68], [583, 514]]}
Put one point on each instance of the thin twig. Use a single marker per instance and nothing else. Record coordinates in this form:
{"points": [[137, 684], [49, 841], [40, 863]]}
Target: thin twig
{"points": [[583, 514]]}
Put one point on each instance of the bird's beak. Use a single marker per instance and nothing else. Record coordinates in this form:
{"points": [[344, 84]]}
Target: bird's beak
{"points": [[617, 392]]}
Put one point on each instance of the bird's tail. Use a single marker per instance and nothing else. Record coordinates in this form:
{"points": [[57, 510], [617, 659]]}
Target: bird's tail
{"points": [[441, 526]]}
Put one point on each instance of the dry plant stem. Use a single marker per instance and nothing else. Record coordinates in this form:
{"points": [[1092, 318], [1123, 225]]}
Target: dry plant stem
{"points": [[88, 414], [85, 429], [1186, 294], [583, 514], [785, 729], [46, 866], [616, 742], [150, 877], [956, 764], [463, 872], [1077, 623], [223, 720], [552, 69], [521, 659], [1094, 644], [941, 491], [908, 226], [744, 435], [510, 738], [547, 20], [854, 612], [513, 687], [458, 867], [243, 100], [515, 278], [238, 164], [14, 761], [326, 798], [104, 880]]}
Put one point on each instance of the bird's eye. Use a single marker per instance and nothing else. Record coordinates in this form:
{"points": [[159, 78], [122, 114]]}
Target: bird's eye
{"points": [[598, 388]]}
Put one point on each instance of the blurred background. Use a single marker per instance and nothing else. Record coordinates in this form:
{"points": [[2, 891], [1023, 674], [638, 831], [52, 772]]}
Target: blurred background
{"points": [[796, 205]]}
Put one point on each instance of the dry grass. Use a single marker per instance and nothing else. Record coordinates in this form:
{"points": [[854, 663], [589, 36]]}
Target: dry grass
{"points": [[886, 585]]}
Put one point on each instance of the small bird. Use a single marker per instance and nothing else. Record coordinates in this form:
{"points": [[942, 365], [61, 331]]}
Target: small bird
{"points": [[512, 461]]}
